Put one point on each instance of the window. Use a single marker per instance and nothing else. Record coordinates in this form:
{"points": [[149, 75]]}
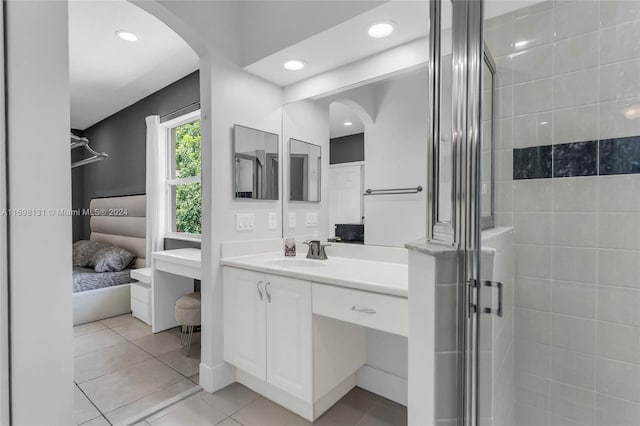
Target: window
{"points": [[183, 180]]}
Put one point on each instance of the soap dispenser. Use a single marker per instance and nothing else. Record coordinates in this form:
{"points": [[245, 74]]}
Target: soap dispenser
{"points": [[290, 247]]}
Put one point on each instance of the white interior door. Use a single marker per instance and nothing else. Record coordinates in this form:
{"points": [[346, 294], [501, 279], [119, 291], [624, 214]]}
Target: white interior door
{"points": [[345, 194]]}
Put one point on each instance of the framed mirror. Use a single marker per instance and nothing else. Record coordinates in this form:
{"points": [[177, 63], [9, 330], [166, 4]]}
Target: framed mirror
{"points": [[305, 165], [374, 135], [256, 164]]}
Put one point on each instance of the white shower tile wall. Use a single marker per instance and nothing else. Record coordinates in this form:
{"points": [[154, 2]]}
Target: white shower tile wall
{"points": [[446, 341], [568, 72]]}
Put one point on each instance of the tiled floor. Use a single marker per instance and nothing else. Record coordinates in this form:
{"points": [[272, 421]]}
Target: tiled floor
{"points": [[236, 405], [121, 369]]}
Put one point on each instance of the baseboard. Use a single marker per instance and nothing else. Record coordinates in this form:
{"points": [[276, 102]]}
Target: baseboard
{"points": [[334, 395], [302, 408], [215, 378], [382, 383]]}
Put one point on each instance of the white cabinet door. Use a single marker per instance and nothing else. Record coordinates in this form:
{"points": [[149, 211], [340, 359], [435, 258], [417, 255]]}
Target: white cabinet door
{"points": [[244, 321], [289, 331]]}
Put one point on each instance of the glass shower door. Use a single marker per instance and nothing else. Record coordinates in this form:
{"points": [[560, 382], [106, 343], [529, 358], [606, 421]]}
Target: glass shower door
{"points": [[566, 244], [456, 60]]}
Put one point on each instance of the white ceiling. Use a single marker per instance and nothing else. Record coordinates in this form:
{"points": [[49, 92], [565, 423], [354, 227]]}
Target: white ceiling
{"points": [[346, 42], [108, 74], [340, 113]]}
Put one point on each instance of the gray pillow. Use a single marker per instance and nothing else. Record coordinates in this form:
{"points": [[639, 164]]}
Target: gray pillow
{"points": [[101, 256]]}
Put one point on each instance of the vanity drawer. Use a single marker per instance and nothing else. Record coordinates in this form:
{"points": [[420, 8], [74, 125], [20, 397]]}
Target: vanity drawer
{"points": [[140, 291], [141, 301], [371, 310]]}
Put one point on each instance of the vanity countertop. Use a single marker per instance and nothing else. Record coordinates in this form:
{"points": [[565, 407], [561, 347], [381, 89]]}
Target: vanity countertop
{"points": [[379, 277]]}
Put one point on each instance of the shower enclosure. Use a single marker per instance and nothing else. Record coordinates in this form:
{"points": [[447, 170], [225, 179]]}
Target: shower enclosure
{"points": [[565, 142]]}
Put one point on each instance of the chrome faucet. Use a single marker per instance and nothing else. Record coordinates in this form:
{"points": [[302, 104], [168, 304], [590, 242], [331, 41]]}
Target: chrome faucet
{"points": [[316, 250]]}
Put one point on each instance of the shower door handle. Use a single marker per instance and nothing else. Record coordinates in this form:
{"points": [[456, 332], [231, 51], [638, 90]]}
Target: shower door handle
{"points": [[498, 285]]}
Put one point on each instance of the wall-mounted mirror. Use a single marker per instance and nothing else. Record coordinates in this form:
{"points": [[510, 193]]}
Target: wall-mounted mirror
{"points": [[256, 164], [376, 136], [305, 165]]}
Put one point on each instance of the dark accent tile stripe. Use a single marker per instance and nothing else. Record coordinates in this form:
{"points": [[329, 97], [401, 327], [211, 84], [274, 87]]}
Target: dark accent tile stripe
{"points": [[575, 159], [532, 163], [620, 156]]}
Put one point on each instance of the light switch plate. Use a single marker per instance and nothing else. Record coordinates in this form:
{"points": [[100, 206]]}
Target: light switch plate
{"points": [[292, 219], [311, 219], [245, 221], [273, 224]]}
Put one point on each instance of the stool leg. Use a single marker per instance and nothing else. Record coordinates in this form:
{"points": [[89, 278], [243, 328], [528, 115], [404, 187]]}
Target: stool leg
{"points": [[190, 338]]}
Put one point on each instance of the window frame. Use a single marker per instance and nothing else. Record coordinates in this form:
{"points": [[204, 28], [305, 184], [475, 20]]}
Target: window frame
{"points": [[170, 181]]}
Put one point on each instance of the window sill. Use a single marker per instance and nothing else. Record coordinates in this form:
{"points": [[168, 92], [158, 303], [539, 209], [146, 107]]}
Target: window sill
{"points": [[184, 237]]}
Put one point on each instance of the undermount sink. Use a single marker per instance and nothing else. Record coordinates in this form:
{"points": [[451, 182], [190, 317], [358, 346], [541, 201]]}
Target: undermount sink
{"points": [[297, 262]]}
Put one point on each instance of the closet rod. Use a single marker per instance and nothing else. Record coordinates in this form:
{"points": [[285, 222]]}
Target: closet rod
{"points": [[89, 160], [77, 142]]}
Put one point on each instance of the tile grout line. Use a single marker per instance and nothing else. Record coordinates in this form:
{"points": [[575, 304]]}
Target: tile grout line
{"points": [[127, 340], [94, 405], [147, 352]]}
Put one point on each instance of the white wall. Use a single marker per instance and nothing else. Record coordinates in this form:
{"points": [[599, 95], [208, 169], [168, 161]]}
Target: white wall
{"points": [[422, 350], [40, 247], [396, 154], [307, 121], [235, 97], [4, 284]]}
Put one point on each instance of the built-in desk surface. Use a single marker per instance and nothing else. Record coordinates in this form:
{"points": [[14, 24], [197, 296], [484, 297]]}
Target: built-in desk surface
{"points": [[173, 275]]}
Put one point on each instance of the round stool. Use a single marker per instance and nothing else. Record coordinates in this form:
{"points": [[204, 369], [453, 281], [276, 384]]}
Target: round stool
{"points": [[188, 317]]}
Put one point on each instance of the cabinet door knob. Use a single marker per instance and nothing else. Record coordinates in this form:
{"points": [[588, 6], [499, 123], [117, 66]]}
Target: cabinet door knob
{"points": [[266, 289], [259, 290]]}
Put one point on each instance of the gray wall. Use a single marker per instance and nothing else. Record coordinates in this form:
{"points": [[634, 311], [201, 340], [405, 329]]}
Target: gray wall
{"points": [[123, 137], [77, 188], [347, 149]]}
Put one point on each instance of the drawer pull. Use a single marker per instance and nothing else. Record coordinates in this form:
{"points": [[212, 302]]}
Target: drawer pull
{"points": [[266, 289], [363, 310], [259, 291]]}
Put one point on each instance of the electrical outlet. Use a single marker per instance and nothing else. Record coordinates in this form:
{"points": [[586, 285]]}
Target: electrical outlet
{"points": [[311, 219], [245, 221], [292, 219], [273, 224]]}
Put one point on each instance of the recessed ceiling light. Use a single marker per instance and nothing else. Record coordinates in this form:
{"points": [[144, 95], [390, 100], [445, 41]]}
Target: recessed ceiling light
{"points": [[381, 29], [521, 44], [127, 36], [293, 65], [632, 112], [348, 123]]}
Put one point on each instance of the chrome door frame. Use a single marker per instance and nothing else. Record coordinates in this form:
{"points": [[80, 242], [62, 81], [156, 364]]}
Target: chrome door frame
{"points": [[463, 232]]}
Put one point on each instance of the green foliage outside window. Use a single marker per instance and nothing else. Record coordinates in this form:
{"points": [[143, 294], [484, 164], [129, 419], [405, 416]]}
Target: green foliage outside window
{"points": [[188, 196]]}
